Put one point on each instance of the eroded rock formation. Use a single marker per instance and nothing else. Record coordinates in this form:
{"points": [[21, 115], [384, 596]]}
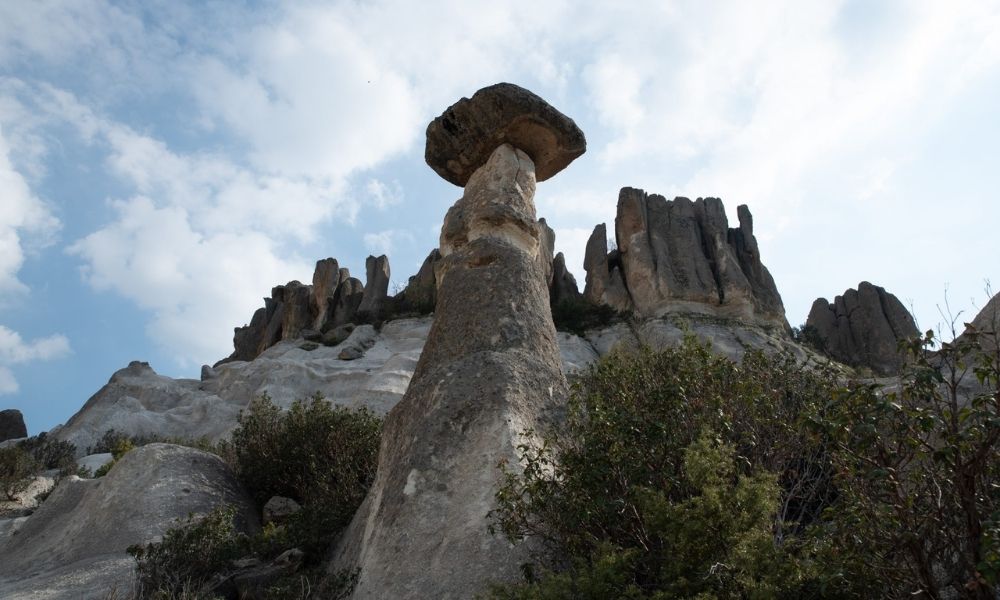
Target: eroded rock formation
{"points": [[12, 425], [863, 327], [681, 256], [489, 371], [333, 299]]}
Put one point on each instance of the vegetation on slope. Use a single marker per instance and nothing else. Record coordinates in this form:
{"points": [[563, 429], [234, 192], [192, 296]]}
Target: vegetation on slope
{"points": [[680, 474]]}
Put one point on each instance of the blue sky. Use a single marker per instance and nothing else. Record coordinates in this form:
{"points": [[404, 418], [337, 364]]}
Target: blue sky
{"points": [[164, 163]]}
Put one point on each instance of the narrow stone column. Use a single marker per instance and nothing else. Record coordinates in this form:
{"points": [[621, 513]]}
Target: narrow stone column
{"points": [[490, 370]]}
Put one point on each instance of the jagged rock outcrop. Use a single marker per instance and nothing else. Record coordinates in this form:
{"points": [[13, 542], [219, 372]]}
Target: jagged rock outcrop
{"points": [[863, 327], [74, 545], [605, 283], [376, 288], [465, 136], [333, 299], [489, 371], [563, 285], [138, 401], [681, 256], [12, 425], [420, 294]]}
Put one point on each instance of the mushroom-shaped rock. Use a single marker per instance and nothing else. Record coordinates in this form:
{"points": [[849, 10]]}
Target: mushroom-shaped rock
{"points": [[462, 139]]}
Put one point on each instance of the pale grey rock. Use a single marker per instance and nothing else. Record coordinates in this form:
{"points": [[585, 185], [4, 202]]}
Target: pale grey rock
{"points": [[577, 353], [464, 137], [73, 546], [376, 288], [490, 370], [863, 328], [546, 250], [207, 372], [28, 499], [278, 508], [361, 339], [12, 425], [137, 401], [93, 462]]}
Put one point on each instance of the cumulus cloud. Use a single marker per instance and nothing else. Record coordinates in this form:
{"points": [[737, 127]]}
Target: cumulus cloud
{"points": [[15, 351], [23, 214], [383, 195], [383, 242]]}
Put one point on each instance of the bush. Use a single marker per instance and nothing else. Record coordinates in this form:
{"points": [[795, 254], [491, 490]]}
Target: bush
{"points": [[315, 453], [322, 456], [678, 473], [17, 471], [919, 469], [577, 315], [51, 453], [189, 555]]}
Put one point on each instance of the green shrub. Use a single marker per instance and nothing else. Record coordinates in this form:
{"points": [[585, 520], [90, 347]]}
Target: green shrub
{"points": [[17, 471], [51, 453], [315, 453], [630, 494], [577, 315], [189, 555], [919, 470]]}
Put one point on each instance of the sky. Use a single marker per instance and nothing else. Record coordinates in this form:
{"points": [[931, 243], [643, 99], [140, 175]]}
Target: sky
{"points": [[164, 163]]}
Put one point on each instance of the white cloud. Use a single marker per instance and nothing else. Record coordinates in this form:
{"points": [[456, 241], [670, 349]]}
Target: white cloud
{"points": [[383, 242], [197, 284], [15, 351], [383, 195], [23, 214]]}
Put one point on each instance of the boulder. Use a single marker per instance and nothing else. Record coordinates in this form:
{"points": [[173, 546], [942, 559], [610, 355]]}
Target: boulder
{"points": [[74, 545], [12, 425], [863, 327], [298, 313], [489, 372], [464, 137], [376, 288], [358, 342]]}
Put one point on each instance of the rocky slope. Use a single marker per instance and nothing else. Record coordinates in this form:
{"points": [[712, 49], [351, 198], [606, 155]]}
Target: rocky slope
{"points": [[74, 545]]}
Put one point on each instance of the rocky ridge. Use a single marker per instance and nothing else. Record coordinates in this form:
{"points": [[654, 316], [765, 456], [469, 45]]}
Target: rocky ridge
{"points": [[679, 256]]}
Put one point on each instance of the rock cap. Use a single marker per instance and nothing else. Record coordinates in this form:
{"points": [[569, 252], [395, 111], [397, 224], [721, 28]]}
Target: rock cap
{"points": [[466, 134]]}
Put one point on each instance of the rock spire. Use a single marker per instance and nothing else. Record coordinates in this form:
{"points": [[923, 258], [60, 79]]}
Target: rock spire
{"points": [[489, 371]]}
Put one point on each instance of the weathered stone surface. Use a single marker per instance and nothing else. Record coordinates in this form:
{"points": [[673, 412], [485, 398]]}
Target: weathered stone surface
{"points": [[12, 425], [376, 288], [546, 249], [348, 299], [605, 283], [464, 137], [137, 401], [863, 327], [74, 545], [679, 256], [298, 313], [421, 290], [326, 279], [358, 342], [490, 370], [563, 285]]}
